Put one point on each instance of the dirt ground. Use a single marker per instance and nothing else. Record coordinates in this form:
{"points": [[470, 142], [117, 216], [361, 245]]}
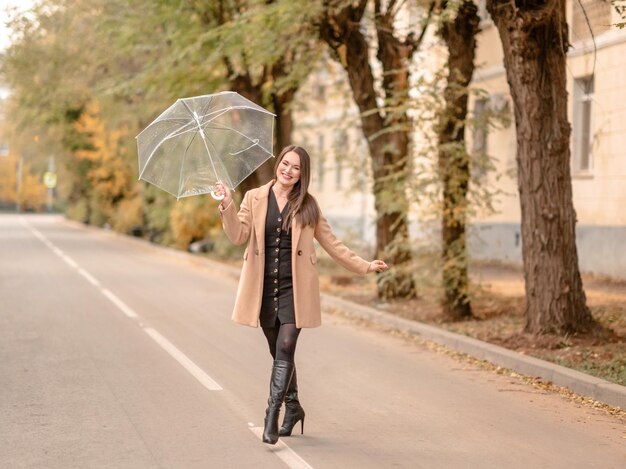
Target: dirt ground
{"points": [[497, 300]]}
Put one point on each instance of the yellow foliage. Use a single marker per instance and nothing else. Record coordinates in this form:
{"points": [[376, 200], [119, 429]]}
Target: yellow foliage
{"points": [[33, 192], [191, 219], [109, 174], [8, 179], [32, 195], [129, 214]]}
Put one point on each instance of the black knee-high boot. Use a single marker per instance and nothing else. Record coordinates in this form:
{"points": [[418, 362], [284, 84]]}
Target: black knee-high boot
{"points": [[294, 412], [281, 376]]}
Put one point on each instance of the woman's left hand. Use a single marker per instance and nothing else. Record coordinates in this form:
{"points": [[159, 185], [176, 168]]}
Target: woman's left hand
{"points": [[377, 266]]}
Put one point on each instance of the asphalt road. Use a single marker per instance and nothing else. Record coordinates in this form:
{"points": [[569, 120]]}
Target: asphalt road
{"points": [[114, 354]]}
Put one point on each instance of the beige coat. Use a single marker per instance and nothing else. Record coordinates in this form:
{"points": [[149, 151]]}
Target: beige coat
{"points": [[249, 226]]}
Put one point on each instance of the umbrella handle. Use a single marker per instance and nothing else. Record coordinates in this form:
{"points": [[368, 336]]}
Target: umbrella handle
{"points": [[217, 197]]}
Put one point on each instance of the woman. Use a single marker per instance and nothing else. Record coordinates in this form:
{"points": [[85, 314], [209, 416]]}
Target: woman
{"points": [[279, 285]]}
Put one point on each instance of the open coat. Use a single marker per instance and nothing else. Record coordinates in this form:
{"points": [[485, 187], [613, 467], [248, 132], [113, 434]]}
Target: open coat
{"points": [[248, 225]]}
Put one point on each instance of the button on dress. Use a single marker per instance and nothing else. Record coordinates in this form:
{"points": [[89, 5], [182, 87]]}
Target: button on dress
{"points": [[277, 303]]}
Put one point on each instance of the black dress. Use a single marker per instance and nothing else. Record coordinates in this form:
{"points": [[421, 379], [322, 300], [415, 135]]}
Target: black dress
{"points": [[277, 304]]}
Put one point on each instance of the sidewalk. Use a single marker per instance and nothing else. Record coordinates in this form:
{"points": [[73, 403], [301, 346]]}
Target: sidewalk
{"points": [[580, 383]]}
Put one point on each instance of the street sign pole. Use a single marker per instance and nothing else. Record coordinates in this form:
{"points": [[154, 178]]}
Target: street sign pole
{"points": [[18, 195], [50, 181], [51, 170]]}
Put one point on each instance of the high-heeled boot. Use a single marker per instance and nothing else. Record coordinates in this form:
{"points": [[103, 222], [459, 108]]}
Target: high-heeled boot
{"points": [[294, 412], [281, 376]]}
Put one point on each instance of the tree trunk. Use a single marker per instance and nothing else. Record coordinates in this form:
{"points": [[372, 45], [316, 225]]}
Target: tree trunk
{"points": [[282, 101], [244, 85], [534, 40], [388, 145], [453, 160]]}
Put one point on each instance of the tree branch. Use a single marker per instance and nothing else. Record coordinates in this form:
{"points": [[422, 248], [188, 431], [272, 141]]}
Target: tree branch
{"points": [[529, 14]]}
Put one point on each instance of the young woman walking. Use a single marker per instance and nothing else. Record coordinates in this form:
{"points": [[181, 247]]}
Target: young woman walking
{"points": [[279, 285]]}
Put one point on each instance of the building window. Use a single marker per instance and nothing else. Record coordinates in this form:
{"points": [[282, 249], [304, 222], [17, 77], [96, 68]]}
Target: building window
{"points": [[582, 128], [320, 161]]}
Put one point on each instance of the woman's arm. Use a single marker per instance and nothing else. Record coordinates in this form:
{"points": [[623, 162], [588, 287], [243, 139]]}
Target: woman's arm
{"points": [[341, 253], [236, 224]]}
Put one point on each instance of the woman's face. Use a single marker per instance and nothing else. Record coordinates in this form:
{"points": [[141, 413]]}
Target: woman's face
{"points": [[288, 171]]}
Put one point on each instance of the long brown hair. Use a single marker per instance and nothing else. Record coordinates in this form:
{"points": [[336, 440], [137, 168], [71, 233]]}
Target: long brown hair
{"points": [[302, 205]]}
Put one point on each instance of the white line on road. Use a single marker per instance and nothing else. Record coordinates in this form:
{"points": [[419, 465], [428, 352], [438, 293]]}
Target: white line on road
{"points": [[119, 303], [281, 450], [175, 353], [186, 363], [89, 277], [69, 261], [284, 452]]}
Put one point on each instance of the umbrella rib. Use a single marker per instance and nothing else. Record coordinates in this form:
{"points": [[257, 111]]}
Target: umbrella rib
{"points": [[205, 108], [195, 116], [254, 141], [156, 147], [230, 181], [219, 112], [182, 165], [172, 134], [166, 119]]}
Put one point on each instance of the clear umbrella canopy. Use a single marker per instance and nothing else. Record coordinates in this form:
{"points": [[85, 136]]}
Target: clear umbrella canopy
{"points": [[201, 140]]}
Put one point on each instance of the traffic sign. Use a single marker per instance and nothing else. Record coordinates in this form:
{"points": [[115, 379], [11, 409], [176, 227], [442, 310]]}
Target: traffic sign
{"points": [[50, 179]]}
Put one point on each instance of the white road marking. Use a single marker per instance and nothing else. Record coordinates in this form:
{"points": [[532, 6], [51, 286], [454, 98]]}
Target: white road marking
{"points": [[119, 303], [284, 452], [69, 261], [89, 277], [181, 358], [174, 352], [281, 450]]}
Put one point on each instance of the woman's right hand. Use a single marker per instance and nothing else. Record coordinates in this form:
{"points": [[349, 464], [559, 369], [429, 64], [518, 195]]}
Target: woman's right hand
{"points": [[222, 189]]}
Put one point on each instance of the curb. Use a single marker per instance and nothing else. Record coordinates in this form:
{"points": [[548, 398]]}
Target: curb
{"points": [[578, 382]]}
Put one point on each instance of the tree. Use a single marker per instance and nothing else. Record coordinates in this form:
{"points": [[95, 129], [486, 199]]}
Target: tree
{"points": [[32, 192], [459, 35], [267, 49], [534, 40], [108, 170], [157, 51], [385, 126]]}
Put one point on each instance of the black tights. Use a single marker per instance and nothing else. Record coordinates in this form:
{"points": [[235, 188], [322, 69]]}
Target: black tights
{"points": [[282, 339]]}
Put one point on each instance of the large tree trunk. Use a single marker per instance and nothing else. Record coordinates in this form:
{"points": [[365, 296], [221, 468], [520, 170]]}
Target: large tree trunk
{"points": [[534, 39], [387, 139], [453, 160]]}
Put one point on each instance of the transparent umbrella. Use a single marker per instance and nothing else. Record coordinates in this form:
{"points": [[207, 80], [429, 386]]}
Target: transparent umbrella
{"points": [[201, 140]]}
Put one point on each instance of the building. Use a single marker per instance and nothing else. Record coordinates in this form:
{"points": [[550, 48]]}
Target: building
{"points": [[327, 124], [597, 112]]}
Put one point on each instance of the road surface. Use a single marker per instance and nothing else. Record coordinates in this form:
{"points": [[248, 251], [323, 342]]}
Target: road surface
{"points": [[116, 354]]}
